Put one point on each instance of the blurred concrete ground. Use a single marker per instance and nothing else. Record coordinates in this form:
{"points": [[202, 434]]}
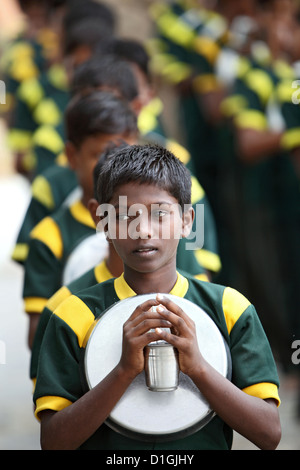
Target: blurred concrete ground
{"points": [[18, 428]]}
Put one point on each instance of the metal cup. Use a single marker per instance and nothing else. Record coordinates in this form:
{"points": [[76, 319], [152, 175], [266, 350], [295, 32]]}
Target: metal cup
{"points": [[161, 367]]}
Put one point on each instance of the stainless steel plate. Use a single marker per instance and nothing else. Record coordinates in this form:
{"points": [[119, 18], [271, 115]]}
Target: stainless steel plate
{"points": [[143, 414]]}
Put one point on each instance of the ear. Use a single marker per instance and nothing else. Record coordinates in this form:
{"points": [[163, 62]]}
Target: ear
{"points": [[71, 152], [100, 222], [92, 207], [187, 221], [136, 105]]}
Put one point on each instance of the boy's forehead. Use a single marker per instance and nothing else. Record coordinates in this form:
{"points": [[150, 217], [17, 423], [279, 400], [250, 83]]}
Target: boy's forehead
{"points": [[134, 192]]}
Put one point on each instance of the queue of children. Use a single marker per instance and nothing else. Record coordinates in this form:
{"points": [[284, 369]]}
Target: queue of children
{"points": [[87, 128]]}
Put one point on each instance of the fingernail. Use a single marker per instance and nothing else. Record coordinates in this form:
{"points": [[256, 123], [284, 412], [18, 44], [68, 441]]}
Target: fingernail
{"points": [[159, 297]]}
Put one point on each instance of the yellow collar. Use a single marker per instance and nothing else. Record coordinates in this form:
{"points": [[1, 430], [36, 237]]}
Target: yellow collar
{"points": [[82, 214], [123, 290], [102, 273]]}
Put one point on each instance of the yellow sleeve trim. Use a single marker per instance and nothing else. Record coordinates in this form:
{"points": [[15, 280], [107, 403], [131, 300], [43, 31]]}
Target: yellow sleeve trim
{"points": [[50, 403], [209, 260], [20, 252], [74, 312], [251, 119], [176, 72], [179, 151], [48, 232], [285, 91], [264, 391], [34, 304], [42, 192], [31, 92], [207, 48], [206, 83], [47, 137], [47, 112], [231, 105], [260, 82], [82, 214], [24, 70], [234, 304], [197, 192], [62, 159], [62, 294], [19, 140], [291, 139]]}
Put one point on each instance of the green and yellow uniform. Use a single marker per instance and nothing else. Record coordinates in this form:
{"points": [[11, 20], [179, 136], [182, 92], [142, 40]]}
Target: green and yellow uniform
{"points": [[94, 276], [184, 53], [51, 244], [254, 369], [25, 59], [267, 199], [41, 101], [50, 190]]}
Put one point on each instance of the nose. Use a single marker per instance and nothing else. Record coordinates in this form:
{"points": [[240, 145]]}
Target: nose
{"points": [[144, 227], [140, 226]]}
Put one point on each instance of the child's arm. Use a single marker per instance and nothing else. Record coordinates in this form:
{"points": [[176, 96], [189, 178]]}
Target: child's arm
{"points": [[70, 427], [254, 418]]}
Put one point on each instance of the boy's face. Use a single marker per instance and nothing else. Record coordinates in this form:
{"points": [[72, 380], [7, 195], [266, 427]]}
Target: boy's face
{"points": [[145, 226], [83, 159]]}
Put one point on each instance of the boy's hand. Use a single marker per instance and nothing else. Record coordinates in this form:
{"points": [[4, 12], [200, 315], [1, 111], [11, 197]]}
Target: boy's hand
{"points": [[138, 331], [182, 336]]}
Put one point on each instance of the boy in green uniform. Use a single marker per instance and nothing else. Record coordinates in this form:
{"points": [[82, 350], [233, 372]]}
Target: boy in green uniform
{"points": [[111, 266], [92, 122], [54, 186], [41, 101], [151, 176], [110, 72]]}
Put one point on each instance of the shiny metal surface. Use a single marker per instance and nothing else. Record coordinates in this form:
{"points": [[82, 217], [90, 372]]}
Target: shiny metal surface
{"points": [[161, 367], [140, 413]]}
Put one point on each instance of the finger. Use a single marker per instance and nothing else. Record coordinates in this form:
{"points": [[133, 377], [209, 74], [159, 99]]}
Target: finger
{"points": [[150, 324], [179, 324], [171, 306], [140, 316], [143, 307], [169, 337]]}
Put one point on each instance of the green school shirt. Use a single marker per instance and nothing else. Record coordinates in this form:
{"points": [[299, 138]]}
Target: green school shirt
{"points": [[50, 190], [52, 241], [254, 370]]}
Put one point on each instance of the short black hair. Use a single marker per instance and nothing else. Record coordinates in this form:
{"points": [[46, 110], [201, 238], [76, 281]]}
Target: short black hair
{"points": [[130, 50], [105, 71], [145, 164], [111, 148], [89, 32], [98, 113], [80, 10]]}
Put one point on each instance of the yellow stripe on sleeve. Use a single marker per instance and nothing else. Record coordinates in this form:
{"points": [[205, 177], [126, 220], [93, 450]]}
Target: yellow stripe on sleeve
{"points": [[251, 119], [62, 294], [51, 403], [20, 252], [42, 192], [234, 304], [48, 232], [209, 260], [34, 304], [75, 313], [264, 391], [291, 139]]}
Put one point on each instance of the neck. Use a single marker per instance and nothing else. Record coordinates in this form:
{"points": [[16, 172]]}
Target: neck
{"points": [[161, 281], [113, 262]]}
